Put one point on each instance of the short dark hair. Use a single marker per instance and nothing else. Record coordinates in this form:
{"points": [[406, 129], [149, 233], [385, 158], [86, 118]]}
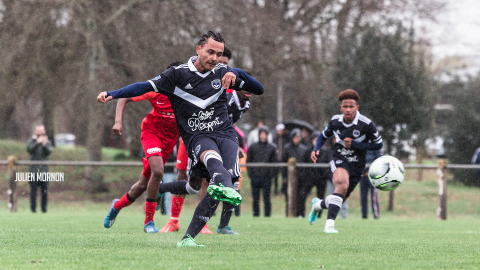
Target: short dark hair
{"points": [[349, 94], [227, 53], [175, 64], [210, 34]]}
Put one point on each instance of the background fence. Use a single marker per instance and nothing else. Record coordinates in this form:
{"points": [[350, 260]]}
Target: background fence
{"points": [[441, 168]]}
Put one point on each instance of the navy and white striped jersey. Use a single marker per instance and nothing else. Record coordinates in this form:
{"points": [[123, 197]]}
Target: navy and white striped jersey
{"points": [[362, 130], [199, 100], [235, 109]]}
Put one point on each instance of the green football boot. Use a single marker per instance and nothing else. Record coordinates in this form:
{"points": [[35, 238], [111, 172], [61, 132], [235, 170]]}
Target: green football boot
{"points": [[188, 242], [226, 194]]}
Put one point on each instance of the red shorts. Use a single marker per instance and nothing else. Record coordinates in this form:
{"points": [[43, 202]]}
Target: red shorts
{"points": [[159, 137], [182, 157]]}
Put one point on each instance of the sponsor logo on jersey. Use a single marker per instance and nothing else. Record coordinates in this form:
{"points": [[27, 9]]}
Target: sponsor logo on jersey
{"points": [[201, 121], [352, 159], [216, 84], [356, 133], [160, 103], [188, 87], [346, 152], [154, 150]]}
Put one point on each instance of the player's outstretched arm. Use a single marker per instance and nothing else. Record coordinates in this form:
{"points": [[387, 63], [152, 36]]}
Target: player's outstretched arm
{"points": [[117, 128], [250, 84], [133, 90]]}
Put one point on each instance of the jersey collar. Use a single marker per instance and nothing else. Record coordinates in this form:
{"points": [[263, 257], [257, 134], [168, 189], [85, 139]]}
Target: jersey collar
{"points": [[192, 67], [354, 122]]}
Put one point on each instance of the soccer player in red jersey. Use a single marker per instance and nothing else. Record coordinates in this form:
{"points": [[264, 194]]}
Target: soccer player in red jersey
{"points": [[159, 136]]}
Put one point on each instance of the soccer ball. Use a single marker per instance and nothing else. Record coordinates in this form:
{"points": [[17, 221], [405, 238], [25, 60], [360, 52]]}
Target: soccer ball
{"points": [[386, 173]]}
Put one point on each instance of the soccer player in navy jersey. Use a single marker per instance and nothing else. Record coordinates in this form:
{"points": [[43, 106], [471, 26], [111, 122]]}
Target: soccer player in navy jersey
{"points": [[197, 92], [354, 135]]}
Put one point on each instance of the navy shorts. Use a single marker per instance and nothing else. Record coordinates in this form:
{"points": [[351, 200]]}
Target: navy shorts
{"points": [[354, 176], [227, 148]]}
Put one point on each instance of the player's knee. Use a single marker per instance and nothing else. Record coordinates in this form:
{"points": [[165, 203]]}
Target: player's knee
{"points": [[157, 173]]}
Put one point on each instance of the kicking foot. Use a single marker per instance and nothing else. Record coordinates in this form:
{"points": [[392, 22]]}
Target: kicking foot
{"points": [[226, 230], [171, 226], [150, 227], [226, 194], [312, 217], [112, 214], [188, 242]]}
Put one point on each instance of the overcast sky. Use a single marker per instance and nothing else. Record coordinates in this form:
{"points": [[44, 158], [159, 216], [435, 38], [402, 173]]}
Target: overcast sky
{"points": [[457, 31]]}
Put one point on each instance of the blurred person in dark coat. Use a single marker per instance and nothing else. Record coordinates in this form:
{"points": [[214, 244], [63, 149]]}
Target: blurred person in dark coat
{"points": [[280, 140], [293, 149], [314, 177], [366, 186], [261, 177], [39, 148]]}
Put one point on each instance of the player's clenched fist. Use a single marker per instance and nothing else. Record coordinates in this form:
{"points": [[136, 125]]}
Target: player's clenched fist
{"points": [[228, 80], [102, 97]]}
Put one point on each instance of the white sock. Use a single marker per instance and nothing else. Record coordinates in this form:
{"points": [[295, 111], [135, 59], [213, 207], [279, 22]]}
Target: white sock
{"points": [[316, 206], [330, 224]]}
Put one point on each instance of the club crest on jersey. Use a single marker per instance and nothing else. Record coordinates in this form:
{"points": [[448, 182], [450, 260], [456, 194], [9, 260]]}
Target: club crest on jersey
{"points": [[356, 133], [216, 84]]}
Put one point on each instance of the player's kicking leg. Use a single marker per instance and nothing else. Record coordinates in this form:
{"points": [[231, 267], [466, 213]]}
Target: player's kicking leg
{"points": [[332, 202], [221, 173]]}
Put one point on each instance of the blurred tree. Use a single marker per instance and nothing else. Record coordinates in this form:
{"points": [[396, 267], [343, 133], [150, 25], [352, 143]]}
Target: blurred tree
{"points": [[381, 63], [463, 126]]}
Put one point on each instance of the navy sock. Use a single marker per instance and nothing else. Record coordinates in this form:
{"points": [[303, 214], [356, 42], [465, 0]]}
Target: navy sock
{"points": [[334, 204], [202, 214], [323, 205], [177, 187], [226, 214], [218, 174]]}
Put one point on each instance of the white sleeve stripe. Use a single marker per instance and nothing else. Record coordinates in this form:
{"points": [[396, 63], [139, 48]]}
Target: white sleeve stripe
{"points": [[241, 84], [154, 86], [325, 136], [377, 139], [377, 142]]}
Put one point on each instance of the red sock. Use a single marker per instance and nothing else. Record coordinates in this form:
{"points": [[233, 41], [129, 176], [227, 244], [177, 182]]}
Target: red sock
{"points": [[177, 204], [150, 211], [123, 202]]}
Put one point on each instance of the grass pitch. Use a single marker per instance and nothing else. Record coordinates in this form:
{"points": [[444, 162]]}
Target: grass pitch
{"points": [[72, 236]]}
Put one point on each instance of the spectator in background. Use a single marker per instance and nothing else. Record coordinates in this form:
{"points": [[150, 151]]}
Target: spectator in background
{"points": [[292, 149], [253, 134], [39, 148], [305, 138], [476, 160], [280, 140], [314, 177], [261, 177], [366, 186]]}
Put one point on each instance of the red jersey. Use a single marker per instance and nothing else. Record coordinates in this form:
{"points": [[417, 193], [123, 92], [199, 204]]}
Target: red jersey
{"points": [[160, 103]]}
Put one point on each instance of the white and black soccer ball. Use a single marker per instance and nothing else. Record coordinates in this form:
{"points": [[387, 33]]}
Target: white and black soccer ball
{"points": [[386, 173]]}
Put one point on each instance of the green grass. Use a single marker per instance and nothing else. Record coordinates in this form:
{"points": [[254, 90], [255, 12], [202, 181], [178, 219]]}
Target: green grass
{"points": [[71, 236]]}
